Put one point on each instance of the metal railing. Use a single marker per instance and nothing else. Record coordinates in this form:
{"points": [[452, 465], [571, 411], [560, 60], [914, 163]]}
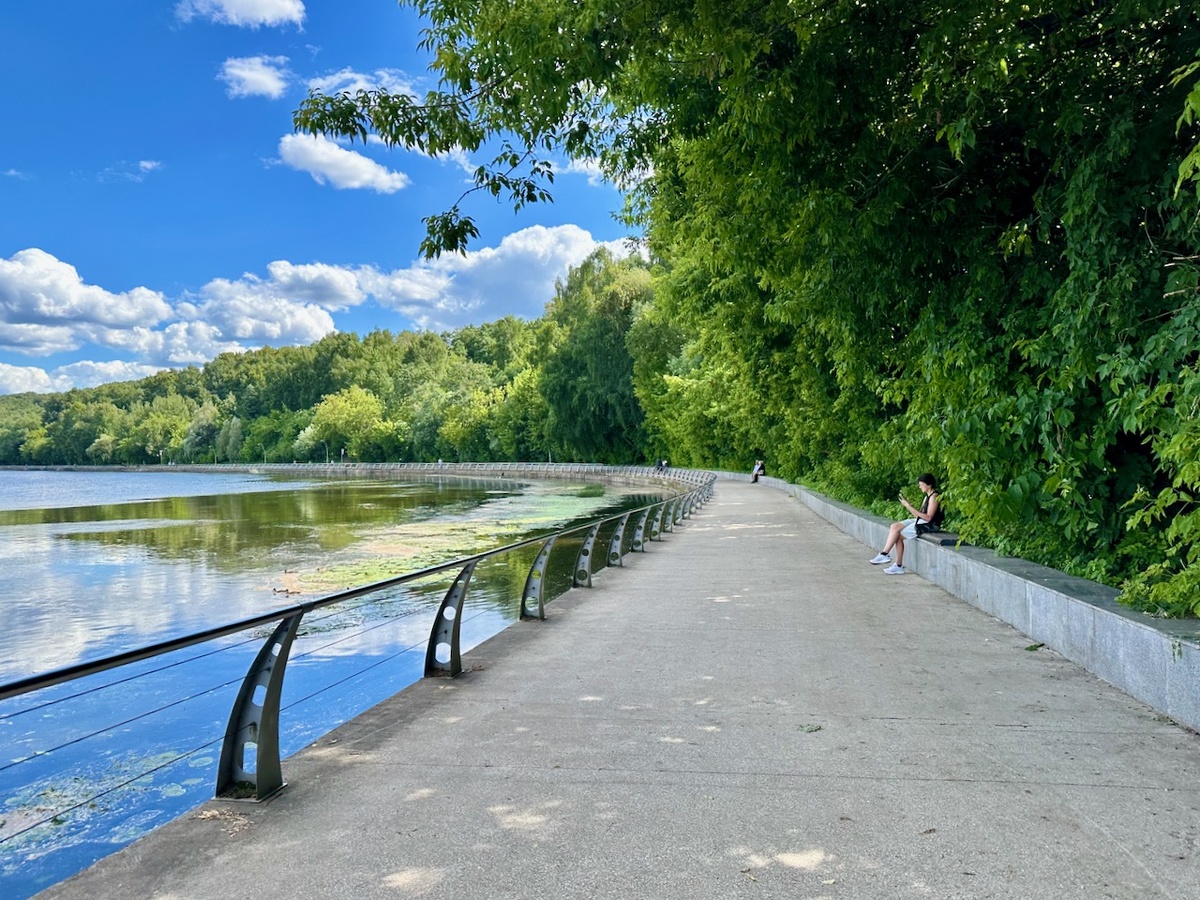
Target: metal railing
{"points": [[250, 762]]}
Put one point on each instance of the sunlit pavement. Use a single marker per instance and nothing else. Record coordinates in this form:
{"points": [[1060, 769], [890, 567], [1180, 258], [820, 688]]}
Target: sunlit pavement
{"points": [[746, 710]]}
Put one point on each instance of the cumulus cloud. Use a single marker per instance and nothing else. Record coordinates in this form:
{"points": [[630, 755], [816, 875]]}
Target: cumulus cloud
{"points": [[246, 13], [81, 374], [194, 343], [290, 306], [30, 379], [589, 168], [46, 300], [256, 76], [329, 163], [46, 308], [85, 373], [394, 81], [517, 277], [38, 340]]}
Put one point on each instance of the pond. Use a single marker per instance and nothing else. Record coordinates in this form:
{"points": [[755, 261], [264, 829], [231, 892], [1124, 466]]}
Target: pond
{"points": [[99, 562]]}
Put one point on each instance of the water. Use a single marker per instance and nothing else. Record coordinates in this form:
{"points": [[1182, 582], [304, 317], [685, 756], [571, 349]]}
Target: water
{"points": [[94, 563]]}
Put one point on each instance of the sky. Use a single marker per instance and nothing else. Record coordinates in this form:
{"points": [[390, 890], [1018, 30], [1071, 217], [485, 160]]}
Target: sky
{"points": [[157, 209]]}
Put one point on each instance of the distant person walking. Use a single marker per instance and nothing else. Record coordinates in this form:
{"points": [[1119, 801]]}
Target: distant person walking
{"points": [[759, 469], [926, 519]]}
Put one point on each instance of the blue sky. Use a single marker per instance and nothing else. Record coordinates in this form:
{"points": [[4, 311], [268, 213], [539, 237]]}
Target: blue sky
{"points": [[157, 209]]}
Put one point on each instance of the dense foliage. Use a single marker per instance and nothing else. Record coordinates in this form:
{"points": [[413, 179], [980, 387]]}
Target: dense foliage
{"points": [[886, 238], [559, 387], [890, 237]]}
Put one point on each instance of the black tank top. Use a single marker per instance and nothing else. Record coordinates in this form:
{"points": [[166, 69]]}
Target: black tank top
{"points": [[936, 520]]}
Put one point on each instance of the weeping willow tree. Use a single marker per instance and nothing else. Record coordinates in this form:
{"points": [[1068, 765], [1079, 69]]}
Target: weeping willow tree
{"points": [[889, 238]]}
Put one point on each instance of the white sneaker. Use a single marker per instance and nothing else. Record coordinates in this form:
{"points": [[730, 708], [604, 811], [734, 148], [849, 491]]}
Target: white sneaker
{"points": [[894, 570], [880, 559]]}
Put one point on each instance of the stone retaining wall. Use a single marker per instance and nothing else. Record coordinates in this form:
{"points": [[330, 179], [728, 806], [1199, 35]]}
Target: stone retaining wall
{"points": [[1155, 660]]}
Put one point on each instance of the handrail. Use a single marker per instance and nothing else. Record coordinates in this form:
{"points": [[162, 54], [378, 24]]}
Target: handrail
{"points": [[253, 726]]}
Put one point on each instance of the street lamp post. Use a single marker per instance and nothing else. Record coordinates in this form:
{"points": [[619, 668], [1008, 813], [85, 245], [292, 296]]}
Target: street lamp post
{"points": [[343, 456], [160, 456]]}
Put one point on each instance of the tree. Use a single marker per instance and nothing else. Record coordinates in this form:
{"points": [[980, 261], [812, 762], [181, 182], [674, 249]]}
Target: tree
{"points": [[351, 420], [587, 376], [948, 236], [199, 444], [19, 415], [229, 441]]}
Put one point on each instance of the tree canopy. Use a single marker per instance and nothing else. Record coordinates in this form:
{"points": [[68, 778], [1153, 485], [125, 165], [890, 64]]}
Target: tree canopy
{"points": [[889, 237], [884, 239]]}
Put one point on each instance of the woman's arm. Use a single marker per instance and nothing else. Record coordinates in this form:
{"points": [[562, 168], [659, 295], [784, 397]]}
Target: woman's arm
{"points": [[930, 510]]}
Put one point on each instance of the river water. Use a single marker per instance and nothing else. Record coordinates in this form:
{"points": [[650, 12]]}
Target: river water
{"points": [[93, 563]]}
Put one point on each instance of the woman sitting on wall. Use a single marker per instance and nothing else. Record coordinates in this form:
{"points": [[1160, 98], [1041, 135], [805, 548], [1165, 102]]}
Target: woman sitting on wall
{"points": [[926, 519]]}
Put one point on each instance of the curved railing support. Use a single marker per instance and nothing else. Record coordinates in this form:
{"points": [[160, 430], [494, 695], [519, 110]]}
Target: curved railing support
{"points": [[250, 758], [532, 604], [442, 656], [254, 722], [639, 532], [616, 541], [583, 562]]}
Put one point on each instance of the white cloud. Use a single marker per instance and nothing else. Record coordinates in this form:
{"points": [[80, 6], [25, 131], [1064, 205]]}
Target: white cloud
{"points": [[14, 173], [247, 13], [22, 379], [291, 306], [394, 81], [326, 162], [46, 308], [517, 277], [86, 373], [194, 343], [256, 76], [80, 374], [45, 305], [588, 167], [126, 171], [38, 340]]}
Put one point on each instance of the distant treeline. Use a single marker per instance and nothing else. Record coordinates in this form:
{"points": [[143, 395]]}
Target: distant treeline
{"points": [[559, 387]]}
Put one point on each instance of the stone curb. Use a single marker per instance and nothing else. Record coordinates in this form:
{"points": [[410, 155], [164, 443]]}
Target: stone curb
{"points": [[1155, 660]]}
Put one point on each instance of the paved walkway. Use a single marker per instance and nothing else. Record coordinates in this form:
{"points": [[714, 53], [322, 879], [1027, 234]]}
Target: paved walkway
{"points": [[747, 710]]}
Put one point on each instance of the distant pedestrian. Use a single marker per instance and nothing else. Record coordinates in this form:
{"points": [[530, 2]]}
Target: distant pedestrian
{"points": [[759, 469], [926, 519]]}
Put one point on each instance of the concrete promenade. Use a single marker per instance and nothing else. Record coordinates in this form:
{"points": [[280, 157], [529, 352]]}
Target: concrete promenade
{"points": [[748, 710]]}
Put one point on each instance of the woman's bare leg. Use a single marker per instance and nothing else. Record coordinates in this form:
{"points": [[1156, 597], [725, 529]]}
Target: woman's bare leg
{"points": [[894, 536]]}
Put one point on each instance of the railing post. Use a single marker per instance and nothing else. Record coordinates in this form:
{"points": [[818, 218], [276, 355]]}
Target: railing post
{"points": [[535, 583], [254, 721], [614, 544], [669, 515], [583, 562], [639, 532], [442, 656], [656, 522]]}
